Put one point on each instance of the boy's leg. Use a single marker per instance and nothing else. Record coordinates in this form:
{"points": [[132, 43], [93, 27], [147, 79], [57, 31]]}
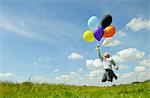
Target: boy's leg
{"points": [[113, 74], [109, 76], [104, 77]]}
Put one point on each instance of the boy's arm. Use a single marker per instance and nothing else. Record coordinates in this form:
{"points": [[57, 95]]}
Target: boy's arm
{"points": [[99, 54], [114, 63]]}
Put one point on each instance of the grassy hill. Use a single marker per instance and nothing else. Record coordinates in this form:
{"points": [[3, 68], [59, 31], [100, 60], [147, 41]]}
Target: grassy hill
{"points": [[35, 90]]}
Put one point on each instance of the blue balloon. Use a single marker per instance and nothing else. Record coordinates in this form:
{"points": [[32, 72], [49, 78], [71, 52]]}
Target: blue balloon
{"points": [[93, 23]]}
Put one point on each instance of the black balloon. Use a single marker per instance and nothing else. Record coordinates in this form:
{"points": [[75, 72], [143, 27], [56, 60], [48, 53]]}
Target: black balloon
{"points": [[106, 21]]}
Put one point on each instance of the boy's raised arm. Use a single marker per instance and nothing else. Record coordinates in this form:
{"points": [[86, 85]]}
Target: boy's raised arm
{"points": [[99, 54]]}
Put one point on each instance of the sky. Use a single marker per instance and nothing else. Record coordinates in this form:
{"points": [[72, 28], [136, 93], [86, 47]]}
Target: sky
{"points": [[43, 39]]}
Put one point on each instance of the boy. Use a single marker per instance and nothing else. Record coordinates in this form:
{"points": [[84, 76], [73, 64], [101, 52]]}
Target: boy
{"points": [[107, 62]]}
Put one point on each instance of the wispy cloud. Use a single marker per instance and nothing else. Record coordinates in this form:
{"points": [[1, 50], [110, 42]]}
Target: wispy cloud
{"points": [[51, 31], [6, 24]]}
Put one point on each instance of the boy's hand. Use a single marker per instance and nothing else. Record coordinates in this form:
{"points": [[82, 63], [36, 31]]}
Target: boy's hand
{"points": [[117, 68], [98, 47]]}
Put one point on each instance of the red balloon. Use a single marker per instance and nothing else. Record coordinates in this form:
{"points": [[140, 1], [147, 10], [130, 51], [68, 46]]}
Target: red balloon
{"points": [[109, 31]]}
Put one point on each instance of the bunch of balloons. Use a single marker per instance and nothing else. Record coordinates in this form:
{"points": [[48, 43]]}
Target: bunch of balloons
{"points": [[95, 31]]}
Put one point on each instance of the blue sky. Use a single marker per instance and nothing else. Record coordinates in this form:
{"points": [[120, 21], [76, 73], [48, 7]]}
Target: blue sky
{"points": [[38, 36]]}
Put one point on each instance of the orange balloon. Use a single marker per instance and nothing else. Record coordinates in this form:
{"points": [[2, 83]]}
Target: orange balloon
{"points": [[109, 31]]}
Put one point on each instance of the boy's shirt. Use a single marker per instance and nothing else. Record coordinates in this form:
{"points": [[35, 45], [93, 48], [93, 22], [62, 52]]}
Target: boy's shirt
{"points": [[108, 63]]}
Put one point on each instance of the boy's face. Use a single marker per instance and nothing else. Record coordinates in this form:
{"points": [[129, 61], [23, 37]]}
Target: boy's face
{"points": [[106, 55]]}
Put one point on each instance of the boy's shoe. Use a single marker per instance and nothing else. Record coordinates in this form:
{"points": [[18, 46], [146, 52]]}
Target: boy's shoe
{"points": [[110, 80], [116, 78]]}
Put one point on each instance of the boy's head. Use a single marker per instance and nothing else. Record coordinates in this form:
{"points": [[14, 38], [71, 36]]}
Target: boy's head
{"points": [[106, 55]]}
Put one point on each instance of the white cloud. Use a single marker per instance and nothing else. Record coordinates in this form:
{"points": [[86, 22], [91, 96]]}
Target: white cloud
{"points": [[137, 24], [96, 69], [75, 56], [39, 78], [77, 73], [142, 76], [127, 75], [140, 69], [116, 58], [78, 78], [111, 42], [56, 70], [128, 55], [74, 77], [94, 64], [95, 74], [123, 67], [145, 62], [6, 75], [42, 79], [133, 76], [93, 78]]}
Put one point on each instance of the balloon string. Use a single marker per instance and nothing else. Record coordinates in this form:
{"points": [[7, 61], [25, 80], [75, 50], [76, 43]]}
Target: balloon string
{"points": [[116, 37], [113, 39]]}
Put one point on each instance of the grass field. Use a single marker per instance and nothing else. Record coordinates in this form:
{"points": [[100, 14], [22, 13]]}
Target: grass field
{"points": [[35, 90]]}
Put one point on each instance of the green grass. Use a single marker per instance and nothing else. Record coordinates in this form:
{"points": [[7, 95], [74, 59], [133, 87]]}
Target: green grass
{"points": [[35, 90]]}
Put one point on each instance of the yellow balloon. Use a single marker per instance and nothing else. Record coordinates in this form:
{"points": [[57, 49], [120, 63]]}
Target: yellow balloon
{"points": [[88, 36]]}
